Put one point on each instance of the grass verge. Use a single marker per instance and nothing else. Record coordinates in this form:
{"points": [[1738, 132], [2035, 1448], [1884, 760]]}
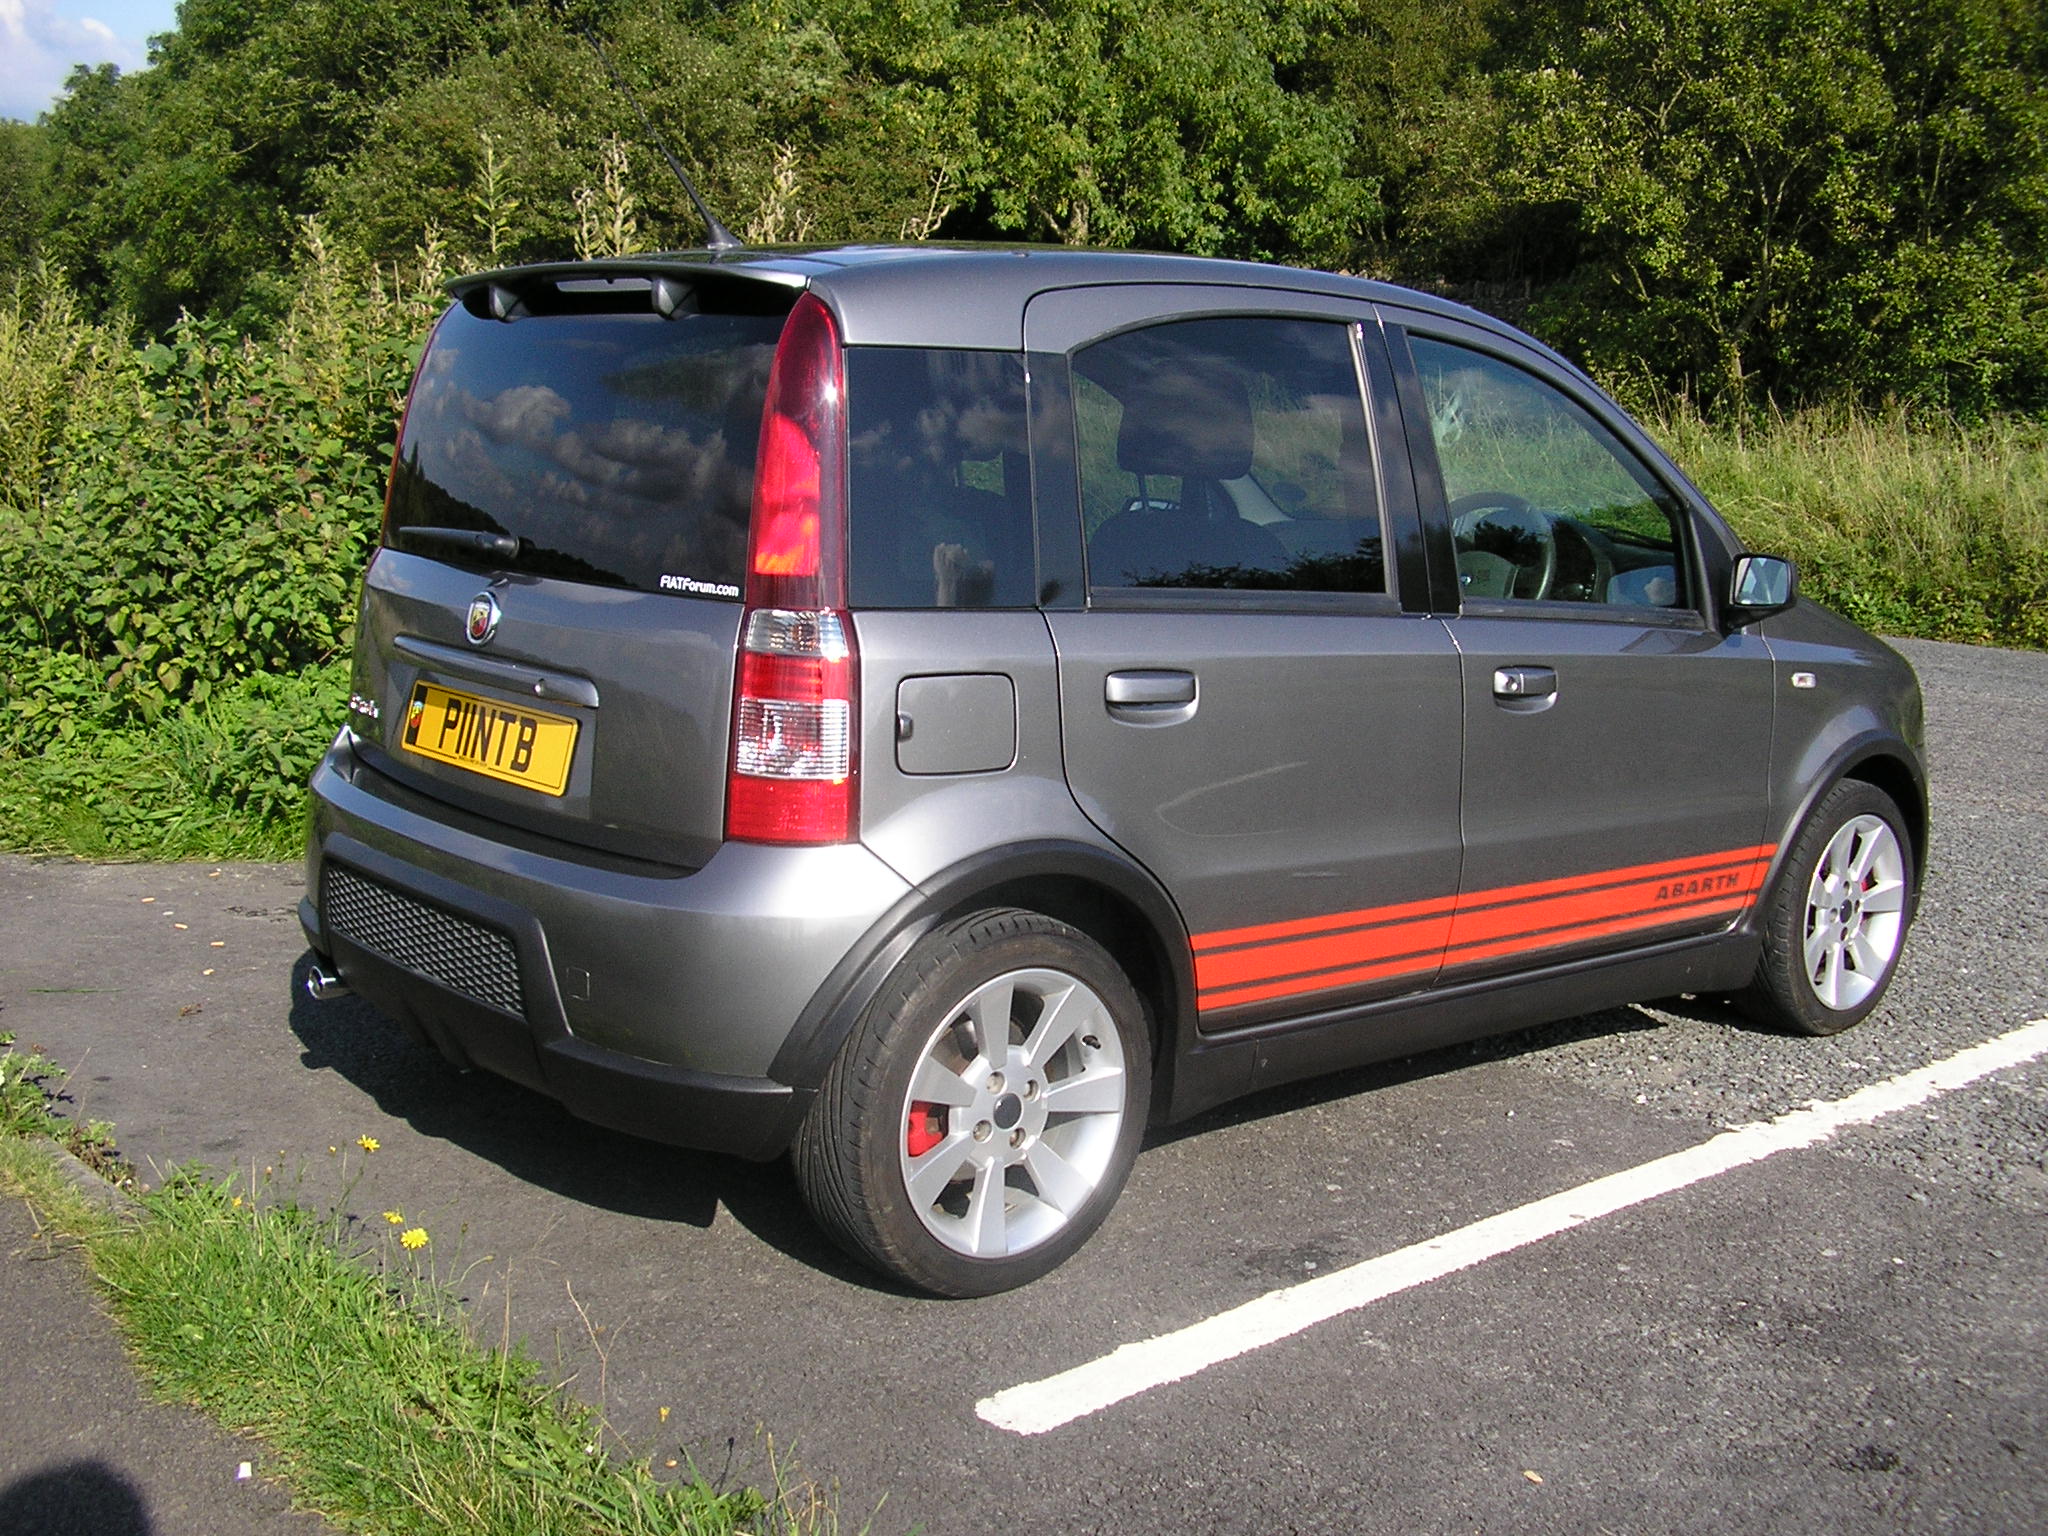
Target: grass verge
{"points": [[223, 779], [349, 1360], [119, 794]]}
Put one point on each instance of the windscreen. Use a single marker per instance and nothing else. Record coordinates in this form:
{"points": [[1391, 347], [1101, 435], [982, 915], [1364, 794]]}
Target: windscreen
{"points": [[618, 449]]}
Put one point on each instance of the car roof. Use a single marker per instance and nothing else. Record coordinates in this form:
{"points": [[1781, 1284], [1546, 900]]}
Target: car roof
{"points": [[929, 294]]}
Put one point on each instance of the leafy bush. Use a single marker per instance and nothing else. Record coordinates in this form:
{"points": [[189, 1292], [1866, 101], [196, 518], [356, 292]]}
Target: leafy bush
{"points": [[183, 526], [252, 748], [206, 505], [223, 779]]}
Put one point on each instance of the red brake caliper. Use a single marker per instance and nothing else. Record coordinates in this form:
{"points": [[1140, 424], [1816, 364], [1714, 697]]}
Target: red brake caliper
{"points": [[926, 1127]]}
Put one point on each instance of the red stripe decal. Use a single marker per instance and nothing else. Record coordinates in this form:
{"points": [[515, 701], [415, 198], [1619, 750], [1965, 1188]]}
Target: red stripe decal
{"points": [[1319, 981], [1422, 936], [1343, 949], [1558, 939], [1267, 932], [1474, 923], [1671, 869]]}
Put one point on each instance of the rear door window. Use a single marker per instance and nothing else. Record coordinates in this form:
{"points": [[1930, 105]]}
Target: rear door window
{"points": [[617, 448], [1228, 452]]}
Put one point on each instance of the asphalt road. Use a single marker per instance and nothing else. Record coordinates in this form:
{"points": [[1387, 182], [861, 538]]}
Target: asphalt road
{"points": [[1852, 1337]]}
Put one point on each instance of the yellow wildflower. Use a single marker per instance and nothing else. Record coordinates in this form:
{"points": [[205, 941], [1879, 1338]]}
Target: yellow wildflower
{"points": [[367, 1143], [413, 1237], [238, 1202], [396, 1218]]}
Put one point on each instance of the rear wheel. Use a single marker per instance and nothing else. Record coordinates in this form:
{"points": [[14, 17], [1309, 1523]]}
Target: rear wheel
{"points": [[982, 1119], [1834, 927]]}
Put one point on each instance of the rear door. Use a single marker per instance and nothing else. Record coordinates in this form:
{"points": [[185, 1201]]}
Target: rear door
{"points": [[1247, 708], [1617, 743], [547, 636]]}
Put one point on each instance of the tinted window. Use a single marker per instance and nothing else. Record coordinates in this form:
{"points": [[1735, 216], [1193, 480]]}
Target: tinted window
{"points": [[618, 448], [1544, 502], [940, 483], [1228, 453]]}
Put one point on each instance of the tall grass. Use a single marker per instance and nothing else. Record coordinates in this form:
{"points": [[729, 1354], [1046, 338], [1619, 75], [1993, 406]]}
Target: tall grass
{"points": [[1910, 527]]}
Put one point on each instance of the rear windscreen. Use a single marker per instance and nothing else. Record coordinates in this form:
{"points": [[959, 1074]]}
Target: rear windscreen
{"points": [[617, 448]]}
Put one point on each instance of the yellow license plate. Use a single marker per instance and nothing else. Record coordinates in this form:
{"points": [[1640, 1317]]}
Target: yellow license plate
{"points": [[501, 741]]}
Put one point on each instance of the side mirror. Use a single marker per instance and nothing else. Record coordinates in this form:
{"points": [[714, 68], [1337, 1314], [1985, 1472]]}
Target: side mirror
{"points": [[1761, 586]]}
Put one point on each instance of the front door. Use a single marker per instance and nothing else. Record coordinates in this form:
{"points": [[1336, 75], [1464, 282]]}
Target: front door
{"points": [[1617, 745]]}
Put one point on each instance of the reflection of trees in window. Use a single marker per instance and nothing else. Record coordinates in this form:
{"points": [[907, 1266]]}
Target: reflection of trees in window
{"points": [[616, 448], [1361, 570], [940, 488]]}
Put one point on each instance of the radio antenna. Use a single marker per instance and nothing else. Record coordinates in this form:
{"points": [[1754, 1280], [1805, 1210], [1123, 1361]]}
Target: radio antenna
{"points": [[717, 237]]}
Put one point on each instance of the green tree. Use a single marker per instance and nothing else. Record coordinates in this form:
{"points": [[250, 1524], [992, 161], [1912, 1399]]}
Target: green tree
{"points": [[785, 136], [24, 177], [180, 186], [1140, 122], [1407, 77], [1773, 198]]}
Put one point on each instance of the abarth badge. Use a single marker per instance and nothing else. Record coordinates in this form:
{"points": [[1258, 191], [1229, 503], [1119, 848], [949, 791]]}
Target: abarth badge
{"points": [[483, 618]]}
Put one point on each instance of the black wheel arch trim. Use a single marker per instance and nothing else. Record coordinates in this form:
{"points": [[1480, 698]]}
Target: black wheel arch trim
{"points": [[829, 1018], [1868, 747]]}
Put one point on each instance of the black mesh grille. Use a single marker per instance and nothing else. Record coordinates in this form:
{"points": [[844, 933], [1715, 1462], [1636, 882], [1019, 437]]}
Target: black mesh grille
{"points": [[463, 956]]}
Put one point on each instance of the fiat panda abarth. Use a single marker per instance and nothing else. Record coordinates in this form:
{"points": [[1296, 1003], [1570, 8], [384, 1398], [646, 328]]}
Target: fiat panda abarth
{"points": [[937, 712]]}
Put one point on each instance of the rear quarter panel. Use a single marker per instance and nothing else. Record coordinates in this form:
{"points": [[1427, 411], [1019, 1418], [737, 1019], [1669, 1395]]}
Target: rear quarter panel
{"points": [[924, 823]]}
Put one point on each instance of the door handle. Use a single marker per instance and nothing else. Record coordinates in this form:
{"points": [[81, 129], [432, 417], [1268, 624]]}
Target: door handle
{"points": [[1140, 688], [1524, 682]]}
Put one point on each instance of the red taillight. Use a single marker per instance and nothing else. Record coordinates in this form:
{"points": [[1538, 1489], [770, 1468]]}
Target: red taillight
{"points": [[796, 551], [794, 718], [793, 761], [786, 495]]}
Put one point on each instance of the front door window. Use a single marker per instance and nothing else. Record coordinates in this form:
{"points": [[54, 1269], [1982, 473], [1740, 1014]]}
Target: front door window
{"points": [[1545, 504]]}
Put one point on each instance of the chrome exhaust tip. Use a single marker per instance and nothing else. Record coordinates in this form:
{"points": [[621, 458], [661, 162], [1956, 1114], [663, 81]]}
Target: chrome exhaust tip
{"points": [[323, 985]]}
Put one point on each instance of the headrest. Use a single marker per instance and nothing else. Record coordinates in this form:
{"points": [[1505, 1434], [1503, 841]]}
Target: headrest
{"points": [[1189, 419]]}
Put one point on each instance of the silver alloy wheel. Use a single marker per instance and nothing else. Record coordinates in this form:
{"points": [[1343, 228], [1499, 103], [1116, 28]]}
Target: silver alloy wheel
{"points": [[1013, 1114], [1855, 912]]}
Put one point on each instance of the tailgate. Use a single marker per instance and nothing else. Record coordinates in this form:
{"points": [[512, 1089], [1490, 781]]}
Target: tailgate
{"points": [[548, 634], [632, 691]]}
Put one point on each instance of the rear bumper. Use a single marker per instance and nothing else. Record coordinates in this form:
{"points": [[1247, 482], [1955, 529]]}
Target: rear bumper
{"points": [[651, 1002]]}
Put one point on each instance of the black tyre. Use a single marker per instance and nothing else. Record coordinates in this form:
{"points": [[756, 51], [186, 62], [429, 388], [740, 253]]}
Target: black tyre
{"points": [[1835, 924], [981, 1120]]}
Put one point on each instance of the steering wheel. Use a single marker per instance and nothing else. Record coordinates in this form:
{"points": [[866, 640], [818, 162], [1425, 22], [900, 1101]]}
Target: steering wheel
{"points": [[1504, 524]]}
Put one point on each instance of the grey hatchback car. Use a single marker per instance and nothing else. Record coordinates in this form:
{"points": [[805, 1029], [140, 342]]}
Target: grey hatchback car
{"points": [[939, 711]]}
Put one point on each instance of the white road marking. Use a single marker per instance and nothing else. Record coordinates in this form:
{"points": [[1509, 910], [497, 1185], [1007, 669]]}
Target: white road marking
{"points": [[1038, 1406]]}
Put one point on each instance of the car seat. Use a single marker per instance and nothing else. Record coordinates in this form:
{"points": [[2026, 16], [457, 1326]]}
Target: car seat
{"points": [[1190, 419]]}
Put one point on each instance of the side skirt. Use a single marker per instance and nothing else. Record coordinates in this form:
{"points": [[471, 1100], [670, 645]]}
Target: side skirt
{"points": [[1227, 1064]]}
